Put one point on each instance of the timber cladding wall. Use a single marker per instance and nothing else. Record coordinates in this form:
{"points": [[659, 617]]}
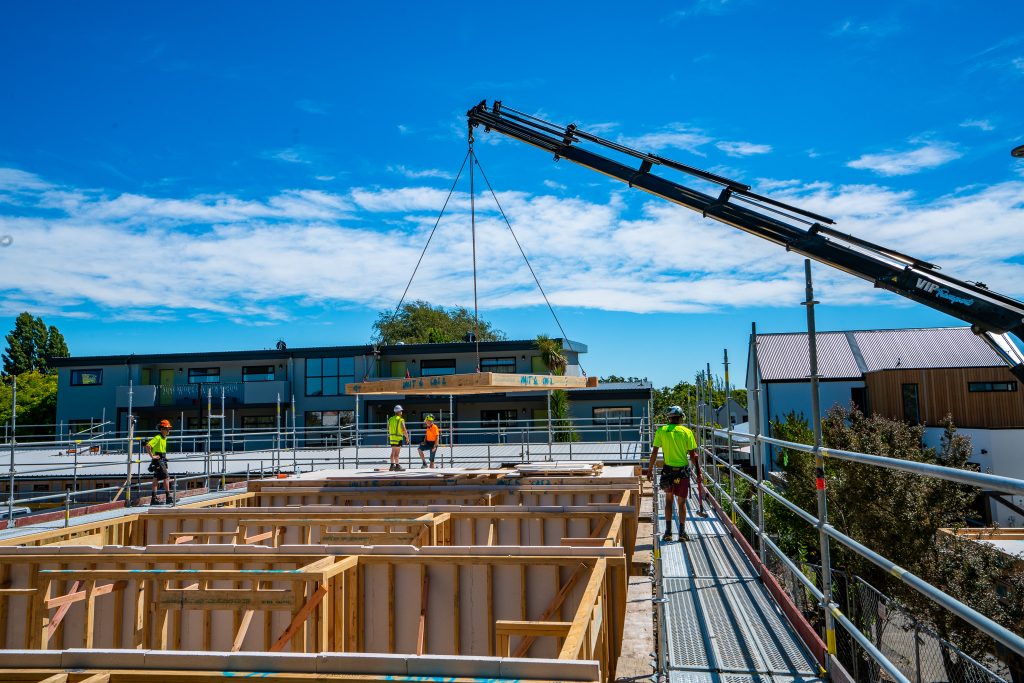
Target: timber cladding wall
{"points": [[943, 391], [532, 602]]}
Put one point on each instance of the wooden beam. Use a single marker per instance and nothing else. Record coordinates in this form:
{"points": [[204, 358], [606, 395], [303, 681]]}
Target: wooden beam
{"points": [[504, 629], [243, 629], [574, 641], [61, 611], [300, 618], [552, 607], [102, 677], [55, 678], [421, 635], [470, 383]]}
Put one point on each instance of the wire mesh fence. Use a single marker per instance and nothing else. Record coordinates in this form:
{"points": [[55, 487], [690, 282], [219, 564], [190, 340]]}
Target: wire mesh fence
{"points": [[908, 642]]}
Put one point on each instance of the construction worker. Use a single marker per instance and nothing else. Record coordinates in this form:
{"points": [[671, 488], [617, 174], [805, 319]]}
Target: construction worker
{"points": [[680, 448], [430, 440], [396, 434], [157, 449]]}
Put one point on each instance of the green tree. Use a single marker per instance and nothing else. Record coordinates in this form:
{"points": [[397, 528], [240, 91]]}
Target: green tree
{"points": [[418, 322], [899, 515], [30, 343], [684, 394], [37, 401]]}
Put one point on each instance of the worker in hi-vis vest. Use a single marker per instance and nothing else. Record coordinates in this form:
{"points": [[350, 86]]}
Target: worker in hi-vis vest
{"points": [[157, 449], [431, 440], [680, 454], [396, 434]]}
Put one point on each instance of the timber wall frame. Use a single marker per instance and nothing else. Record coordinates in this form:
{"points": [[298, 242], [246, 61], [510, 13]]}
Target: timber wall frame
{"points": [[472, 574], [561, 603]]}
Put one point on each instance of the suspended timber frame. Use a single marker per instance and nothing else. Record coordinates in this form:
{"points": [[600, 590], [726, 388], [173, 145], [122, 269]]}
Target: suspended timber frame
{"points": [[469, 383]]}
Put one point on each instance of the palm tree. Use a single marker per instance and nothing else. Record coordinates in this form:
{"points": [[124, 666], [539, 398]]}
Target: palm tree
{"points": [[551, 351]]}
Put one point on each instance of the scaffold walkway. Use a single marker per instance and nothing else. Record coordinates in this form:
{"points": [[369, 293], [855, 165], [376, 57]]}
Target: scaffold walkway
{"points": [[721, 622]]}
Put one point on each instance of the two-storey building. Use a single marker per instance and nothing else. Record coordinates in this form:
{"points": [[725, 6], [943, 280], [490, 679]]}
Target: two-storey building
{"points": [[307, 385]]}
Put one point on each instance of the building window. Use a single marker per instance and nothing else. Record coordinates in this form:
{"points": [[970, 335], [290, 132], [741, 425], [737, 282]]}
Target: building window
{"points": [[432, 368], [538, 366], [399, 368], [911, 406], [258, 373], [259, 422], [193, 424], [322, 426], [40, 487], [986, 387], [539, 415], [614, 416], [505, 366], [203, 375], [498, 418], [86, 378], [328, 376]]}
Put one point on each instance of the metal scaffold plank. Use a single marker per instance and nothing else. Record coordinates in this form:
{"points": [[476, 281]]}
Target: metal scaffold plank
{"points": [[722, 624]]}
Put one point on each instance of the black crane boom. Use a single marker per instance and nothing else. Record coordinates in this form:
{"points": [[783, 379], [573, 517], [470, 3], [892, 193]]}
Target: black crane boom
{"points": [[991, 315]]}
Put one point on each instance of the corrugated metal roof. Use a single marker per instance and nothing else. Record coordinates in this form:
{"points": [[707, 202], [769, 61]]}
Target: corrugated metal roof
{"points": [[786, 356], [948, 347], [843, 355]]}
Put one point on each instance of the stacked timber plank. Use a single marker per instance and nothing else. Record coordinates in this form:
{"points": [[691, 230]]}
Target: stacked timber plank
{"points": [[471, 575]]}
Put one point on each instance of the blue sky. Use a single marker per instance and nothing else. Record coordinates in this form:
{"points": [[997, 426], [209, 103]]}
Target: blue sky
{"points": [[209, 176]]}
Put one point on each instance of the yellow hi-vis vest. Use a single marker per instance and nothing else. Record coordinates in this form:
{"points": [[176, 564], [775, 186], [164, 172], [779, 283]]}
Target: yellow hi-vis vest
{"points": [[396, 429]]}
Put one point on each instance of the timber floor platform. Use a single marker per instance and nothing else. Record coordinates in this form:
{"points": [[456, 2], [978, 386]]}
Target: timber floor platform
{"points": [[722, 623]]}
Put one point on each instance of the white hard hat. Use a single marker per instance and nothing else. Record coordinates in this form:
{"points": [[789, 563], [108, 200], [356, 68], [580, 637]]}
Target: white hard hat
{"points": [[398, 409], [675, 410]]}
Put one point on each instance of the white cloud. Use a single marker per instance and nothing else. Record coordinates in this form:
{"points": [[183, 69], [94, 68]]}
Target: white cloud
{"points": [[291, 155], [250, 259], [676, 135], [425, 173], [742, 149], [980, 124], [864, 30], [1018, 63], [12, 179], [893, 163], [554, 186]]}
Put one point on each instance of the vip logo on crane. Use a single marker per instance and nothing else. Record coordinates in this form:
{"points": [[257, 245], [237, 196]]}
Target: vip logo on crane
{"points": [[940, 292]]}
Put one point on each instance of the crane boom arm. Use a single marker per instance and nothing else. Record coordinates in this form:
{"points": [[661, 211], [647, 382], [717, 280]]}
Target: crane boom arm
{"points": [[991, 315]]}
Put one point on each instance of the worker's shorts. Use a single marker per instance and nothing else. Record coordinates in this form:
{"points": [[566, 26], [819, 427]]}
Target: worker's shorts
{"points": [[158, 466], [395, 443], [675, 480], [428, 446]]}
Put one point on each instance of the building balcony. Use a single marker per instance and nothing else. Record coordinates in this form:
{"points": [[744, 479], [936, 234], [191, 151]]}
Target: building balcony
{"points": [[188, 395]]}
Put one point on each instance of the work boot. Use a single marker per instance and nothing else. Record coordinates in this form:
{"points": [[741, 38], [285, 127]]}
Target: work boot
{"points": [[666, 537], [682, 536], [392, 467], [399, 468]]}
